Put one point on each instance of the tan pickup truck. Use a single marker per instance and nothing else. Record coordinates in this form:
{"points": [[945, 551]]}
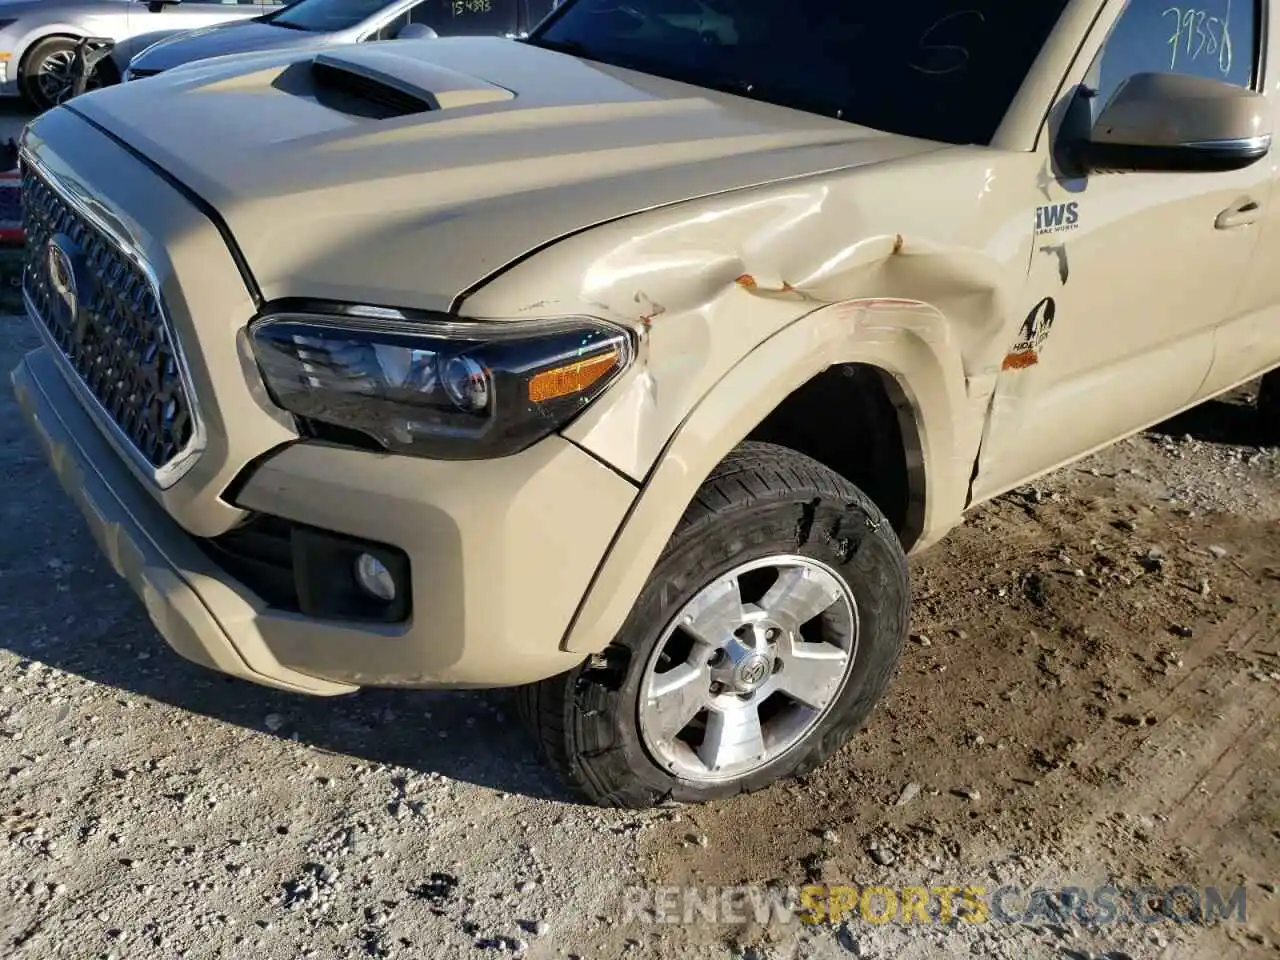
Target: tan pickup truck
{"points": [[624, 363]]}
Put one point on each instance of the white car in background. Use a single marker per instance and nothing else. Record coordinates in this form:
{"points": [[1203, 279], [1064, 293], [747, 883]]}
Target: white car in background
{"points": [[308, 23], [38, 37]]}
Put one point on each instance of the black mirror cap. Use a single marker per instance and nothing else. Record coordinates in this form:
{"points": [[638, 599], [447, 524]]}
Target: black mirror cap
{"points": [[1219, 156]]}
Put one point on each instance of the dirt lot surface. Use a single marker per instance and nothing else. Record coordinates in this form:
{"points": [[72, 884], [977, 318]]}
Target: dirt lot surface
{"points": [[1088, 701]]}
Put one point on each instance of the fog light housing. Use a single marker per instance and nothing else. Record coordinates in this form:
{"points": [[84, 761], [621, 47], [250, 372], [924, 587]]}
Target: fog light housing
{"points": [[340, 577], [373, 577]]}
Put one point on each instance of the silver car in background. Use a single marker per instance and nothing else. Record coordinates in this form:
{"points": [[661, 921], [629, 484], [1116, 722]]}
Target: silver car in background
{"points": [[38, 37], [328, 22]]}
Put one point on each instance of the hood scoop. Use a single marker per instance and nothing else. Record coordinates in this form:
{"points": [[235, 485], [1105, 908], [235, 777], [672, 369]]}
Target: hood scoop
{"points": [[371, 80]]}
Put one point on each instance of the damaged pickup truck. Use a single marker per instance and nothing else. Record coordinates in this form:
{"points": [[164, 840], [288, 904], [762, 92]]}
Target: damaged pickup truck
{"points": [[625, 363]]}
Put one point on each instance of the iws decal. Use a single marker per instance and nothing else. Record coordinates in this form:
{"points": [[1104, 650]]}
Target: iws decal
{"points": [[1057, 217]]}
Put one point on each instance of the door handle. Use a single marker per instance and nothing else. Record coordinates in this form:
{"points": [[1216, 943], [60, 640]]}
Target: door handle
{"points": [[1240, 214]]}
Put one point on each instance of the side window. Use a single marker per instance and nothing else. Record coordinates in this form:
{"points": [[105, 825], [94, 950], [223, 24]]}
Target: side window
{"points": [[473, 18], [457, 18], [535, 10], [1206, 38], [430, 13], [389, 30]]}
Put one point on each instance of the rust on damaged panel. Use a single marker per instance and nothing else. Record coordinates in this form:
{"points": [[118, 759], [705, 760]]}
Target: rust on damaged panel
{"points": [[1031, 337]]}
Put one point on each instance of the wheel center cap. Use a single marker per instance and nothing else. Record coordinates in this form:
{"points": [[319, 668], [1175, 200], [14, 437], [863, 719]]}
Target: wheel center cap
{"points": [[752, 672]]}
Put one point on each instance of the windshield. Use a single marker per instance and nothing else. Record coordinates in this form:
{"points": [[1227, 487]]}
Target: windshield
{"points": [[326, 16], [939, 69]]}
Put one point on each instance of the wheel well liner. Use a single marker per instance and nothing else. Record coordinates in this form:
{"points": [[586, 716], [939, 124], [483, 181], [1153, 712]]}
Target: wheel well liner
{"points": [[855, 419]]}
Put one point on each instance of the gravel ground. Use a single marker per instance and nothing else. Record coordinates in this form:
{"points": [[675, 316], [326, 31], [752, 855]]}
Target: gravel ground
{"points": [[1088, 699]]}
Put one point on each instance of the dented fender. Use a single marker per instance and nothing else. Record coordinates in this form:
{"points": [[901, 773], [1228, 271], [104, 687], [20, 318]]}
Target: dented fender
{"points": [[896, 336], [704, 283], [738, 300]]}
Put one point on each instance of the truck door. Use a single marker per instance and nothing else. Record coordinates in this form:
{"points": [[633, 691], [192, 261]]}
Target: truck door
{"points": [[1130, 273]]}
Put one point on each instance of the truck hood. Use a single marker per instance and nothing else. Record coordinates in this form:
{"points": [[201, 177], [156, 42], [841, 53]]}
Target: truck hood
{"points": [[520, 146], [239, 36]]}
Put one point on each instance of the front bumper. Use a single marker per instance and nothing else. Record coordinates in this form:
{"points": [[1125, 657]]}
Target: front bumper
{"points": [[502, 552]]}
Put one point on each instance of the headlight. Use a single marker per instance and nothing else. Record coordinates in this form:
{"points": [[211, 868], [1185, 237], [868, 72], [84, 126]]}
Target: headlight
{"points": [[446, 389]]}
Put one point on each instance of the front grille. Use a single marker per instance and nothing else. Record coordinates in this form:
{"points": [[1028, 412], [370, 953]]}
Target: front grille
{"points": [[103, 312]]}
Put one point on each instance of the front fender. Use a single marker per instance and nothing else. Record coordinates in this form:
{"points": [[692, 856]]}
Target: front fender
{"points": [[913, 266], [908, 340]]}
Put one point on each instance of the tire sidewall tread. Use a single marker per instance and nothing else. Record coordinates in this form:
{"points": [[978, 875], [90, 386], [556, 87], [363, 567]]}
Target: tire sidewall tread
{"points": [[39, 52], [761, 499]]}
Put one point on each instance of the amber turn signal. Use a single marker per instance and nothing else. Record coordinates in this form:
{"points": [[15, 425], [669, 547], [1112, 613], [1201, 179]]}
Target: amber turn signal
{"points": [[571, 378]]}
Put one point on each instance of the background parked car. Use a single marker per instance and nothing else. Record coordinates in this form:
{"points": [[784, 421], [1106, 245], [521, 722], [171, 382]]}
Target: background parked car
{"points": [[128, 48], [38, 37], [325, 22]]}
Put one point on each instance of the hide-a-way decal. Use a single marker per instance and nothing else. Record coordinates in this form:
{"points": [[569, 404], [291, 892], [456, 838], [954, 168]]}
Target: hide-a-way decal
{"points": [[1051, 218], [1031, 336]]}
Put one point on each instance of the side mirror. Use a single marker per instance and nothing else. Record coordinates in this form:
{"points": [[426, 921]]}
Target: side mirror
{"points": [[1177, 122], [416, 31]]}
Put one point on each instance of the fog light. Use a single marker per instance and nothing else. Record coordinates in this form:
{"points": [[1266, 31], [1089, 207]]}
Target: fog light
{"points": [[374, 578]]}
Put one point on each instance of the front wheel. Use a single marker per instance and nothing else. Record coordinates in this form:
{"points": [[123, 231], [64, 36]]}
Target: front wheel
{"points": [[766, 633], [48, 73]]}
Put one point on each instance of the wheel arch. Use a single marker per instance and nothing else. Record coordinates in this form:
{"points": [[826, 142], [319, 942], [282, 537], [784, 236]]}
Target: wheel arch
{"points": [[920, 371], [62, 31], [880, 453]]}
